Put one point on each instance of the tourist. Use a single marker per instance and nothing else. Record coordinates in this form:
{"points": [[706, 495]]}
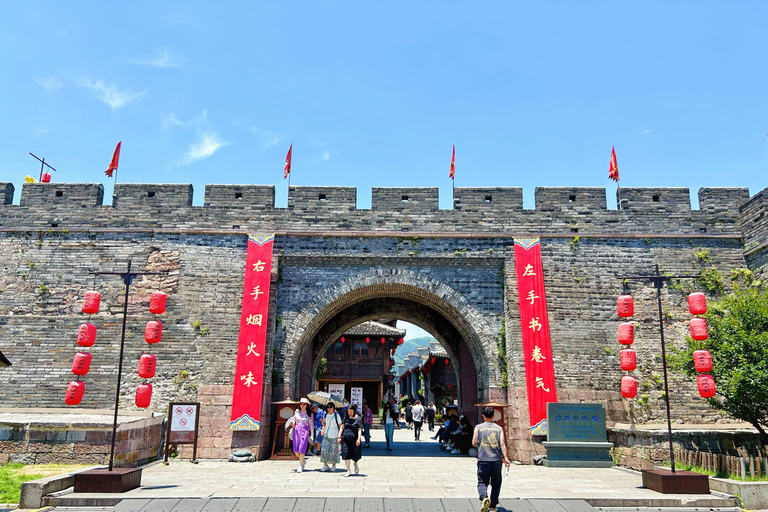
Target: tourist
{"points": [[430, 413], [318, 414], [302, 423], [461, 439], [417, 413], [491, 452], [367, 423], [396, 414], [351, 432], [389, 425], [408, 415], [329, 452]]}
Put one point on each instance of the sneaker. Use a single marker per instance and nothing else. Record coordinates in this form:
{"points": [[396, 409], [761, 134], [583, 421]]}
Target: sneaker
{"points": [[303, 464], [486, 504], [333, 468], [347, 474], [433, 437], [357, 468], [455, 451], [390, 448], [299, 470], [325, 468]]}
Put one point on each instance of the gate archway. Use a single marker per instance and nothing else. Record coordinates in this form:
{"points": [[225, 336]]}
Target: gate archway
{"points": [[405, 295]]}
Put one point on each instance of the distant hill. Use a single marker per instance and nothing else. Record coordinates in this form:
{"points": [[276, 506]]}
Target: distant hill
{"points": [[411, 346]]}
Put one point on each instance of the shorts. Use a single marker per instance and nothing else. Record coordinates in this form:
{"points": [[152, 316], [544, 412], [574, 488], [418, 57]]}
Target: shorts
{"points": [[318, 435]]}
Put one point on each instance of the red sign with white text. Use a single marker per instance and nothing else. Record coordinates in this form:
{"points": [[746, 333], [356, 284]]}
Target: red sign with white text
{"points": [[251, 345], [537, 347]]}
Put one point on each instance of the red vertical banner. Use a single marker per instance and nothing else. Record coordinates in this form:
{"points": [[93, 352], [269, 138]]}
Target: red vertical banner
{"points": [[251, 344], [537, 347]]}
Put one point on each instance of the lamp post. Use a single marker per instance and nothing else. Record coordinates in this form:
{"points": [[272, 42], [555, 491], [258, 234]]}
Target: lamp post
{"points": [[658, 280], [128, 278]]}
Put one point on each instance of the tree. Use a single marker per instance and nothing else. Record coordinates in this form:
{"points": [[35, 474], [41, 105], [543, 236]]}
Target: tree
{"points": [[738, 344]]}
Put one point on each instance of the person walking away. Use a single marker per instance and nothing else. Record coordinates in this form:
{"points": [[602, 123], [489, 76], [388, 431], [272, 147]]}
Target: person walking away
{"points": [[318, 414], [491, 452], [417, 413], [351, 432], [367, 423], [389, 425], [302, 423], [430, 413], [329, 451], [408, 415]]}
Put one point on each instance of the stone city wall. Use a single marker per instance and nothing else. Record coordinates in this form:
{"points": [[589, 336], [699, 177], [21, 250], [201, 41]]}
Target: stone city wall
{"points": [[50, 241]]}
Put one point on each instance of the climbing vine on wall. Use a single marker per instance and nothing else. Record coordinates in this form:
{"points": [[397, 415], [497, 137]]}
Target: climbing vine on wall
{"points": [[501, 344]]}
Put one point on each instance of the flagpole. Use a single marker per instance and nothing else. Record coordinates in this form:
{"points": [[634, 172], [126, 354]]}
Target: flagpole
{"points": [[618, 193]]}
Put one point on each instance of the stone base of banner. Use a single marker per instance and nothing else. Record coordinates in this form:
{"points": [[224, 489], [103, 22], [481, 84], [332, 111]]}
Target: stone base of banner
{"points": [[679, 482], [572, 454]]}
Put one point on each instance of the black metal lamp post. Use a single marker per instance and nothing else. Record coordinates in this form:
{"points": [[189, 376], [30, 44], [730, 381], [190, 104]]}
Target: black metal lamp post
{"points": [[658, 280], [128, 277]]}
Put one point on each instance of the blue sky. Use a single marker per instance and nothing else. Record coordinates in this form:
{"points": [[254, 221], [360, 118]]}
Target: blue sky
{"points": [[374, 94]]}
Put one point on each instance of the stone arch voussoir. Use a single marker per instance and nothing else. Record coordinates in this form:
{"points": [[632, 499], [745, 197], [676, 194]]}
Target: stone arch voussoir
{"points": [[424, 289]]}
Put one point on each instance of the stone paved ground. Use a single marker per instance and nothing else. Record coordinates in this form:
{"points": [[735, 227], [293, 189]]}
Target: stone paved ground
{"points": [[412, 470]]}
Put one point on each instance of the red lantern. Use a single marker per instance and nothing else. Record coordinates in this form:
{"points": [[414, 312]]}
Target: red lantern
{"points": [[625, 306], [698, 328], [697, 303], [81, 364], [628, 386], [706, 385], [383, 341], [400, 341], [86, 335], [147, 365], [432, 361], [45, 178], [626, 333], [447, 360], [628, 359], [342, 339], [143, 395], [75, 392], [702, 361], [157, 303], [153, 332], [367, 340], [91, 302]]}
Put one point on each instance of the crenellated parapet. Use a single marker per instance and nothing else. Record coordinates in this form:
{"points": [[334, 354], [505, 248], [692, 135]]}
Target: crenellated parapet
{"points": [[483, 210], [754, 226]]}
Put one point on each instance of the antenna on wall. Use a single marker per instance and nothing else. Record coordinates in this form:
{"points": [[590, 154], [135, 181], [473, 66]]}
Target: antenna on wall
{"points": [[43, 165]]}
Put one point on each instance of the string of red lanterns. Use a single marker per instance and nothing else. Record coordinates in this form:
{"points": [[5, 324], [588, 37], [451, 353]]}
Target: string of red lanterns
{"points": [[86, 337], [153, 333], [625, 307], [702, 360]]}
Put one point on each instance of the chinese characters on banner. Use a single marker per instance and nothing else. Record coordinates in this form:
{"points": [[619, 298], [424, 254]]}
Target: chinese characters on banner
{"points": [[537, 348], [249, 371]]}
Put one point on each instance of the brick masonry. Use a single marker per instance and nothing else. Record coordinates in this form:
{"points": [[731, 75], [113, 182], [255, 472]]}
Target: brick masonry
{"points": [[138, 442], [450, 271]]}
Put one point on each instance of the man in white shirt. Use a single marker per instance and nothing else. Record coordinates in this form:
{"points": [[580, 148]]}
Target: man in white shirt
{"points": [[417, 411]]}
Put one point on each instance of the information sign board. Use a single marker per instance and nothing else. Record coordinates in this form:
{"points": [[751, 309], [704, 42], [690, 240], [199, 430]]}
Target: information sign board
{"points": [[183, 423]]}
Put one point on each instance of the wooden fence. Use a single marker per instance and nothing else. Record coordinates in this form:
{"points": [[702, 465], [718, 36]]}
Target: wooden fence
{"points": [[754, 467]]}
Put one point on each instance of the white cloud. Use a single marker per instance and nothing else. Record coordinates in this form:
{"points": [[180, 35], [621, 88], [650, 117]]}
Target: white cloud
{"points": [[41, 129], [265, 137], [325, 156], [171, 120], [412, 331], [205, 147], [49, 83], [161, 60], [109, 94], [645, 131]]}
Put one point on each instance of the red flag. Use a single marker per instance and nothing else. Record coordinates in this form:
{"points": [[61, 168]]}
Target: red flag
{"points": [[613, 171], [452, 172], [288, 162], [115, 159]]}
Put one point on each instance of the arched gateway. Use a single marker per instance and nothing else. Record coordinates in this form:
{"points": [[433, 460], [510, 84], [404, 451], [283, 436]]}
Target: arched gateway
{"points": [[460, 328]]}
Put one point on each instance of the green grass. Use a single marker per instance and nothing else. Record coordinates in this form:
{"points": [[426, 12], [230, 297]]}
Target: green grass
{"points": [[10, 482], [722, 474]]}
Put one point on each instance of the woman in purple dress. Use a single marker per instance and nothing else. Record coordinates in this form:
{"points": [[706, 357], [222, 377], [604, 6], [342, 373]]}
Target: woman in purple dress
{"points": [[302, 424]]}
